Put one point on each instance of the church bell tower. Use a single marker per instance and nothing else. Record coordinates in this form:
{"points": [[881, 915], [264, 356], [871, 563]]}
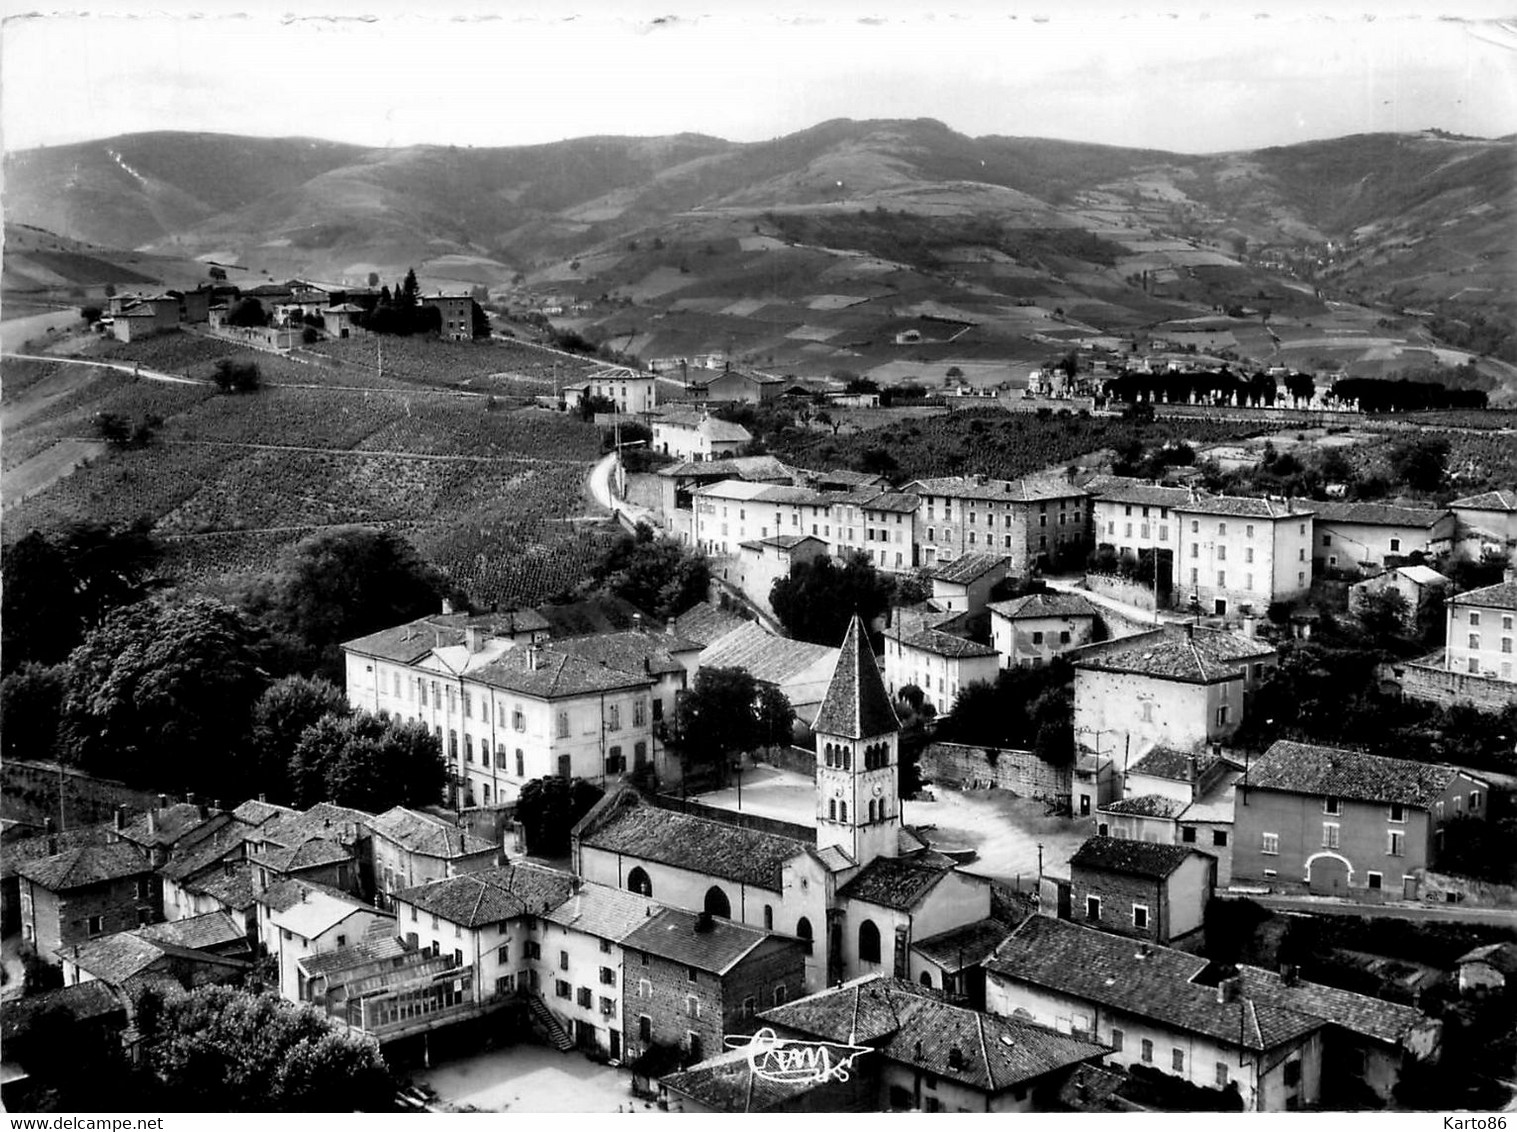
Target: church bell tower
{"points": [[858, 805]]}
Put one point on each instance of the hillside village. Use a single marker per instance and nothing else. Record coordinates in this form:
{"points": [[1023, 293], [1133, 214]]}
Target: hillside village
{"points": [[676, 920], [531, 606]]}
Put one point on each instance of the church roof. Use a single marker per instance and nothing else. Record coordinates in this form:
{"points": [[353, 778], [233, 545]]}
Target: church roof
{"points": [[856, 705]]}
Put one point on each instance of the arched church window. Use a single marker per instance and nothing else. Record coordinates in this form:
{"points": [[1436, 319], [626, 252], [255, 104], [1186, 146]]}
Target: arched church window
{"points": [[842, 811], [717, 903], [832, 809], [638, 882], [869, 942]]}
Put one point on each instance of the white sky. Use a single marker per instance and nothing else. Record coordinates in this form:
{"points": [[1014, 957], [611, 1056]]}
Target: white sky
{"points": [[452, 71]]}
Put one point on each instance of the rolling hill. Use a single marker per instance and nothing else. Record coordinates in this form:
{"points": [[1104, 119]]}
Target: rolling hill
{"points": [[814, 250]]}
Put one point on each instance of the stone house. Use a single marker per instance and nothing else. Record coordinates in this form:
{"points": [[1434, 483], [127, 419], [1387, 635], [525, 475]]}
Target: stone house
{"points": [[411, 848], [1240, 554], [1139, 889], [1355, 536], [691, 979], [1480, 633], [1178, 798], [1346, 823], [84, 893], [1033, 629]]}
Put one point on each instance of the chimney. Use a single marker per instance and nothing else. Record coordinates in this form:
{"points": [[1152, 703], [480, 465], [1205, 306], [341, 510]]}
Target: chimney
{"points": [[1289, 974], [1190, 630], [1195, 770], [218, 806], [955, 1057], [52, 836], [704, 923], [190, 798], [120, 817], [637, 622], [152, 822], [264, 798], [474, 638], [163, 801]]}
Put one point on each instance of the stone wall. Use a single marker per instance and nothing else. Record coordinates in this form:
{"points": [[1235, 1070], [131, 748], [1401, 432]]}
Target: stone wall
{"points": [[1021, 772], [800, 760], [645, 490], [1425, 682], [1441, 888], [1120, 589]]}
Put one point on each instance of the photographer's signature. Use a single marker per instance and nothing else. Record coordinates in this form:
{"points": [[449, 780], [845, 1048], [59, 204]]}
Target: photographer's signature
{"points": [[773, 1058]]}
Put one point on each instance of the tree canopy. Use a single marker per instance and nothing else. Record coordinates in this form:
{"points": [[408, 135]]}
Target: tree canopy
{"points": [[727, 712], [1028, 709], [340, 584], [819, 598], [549, 808], [280, 717], [247, 312], [156, 689], [367, 762], [655, 574], [219, 1049]]}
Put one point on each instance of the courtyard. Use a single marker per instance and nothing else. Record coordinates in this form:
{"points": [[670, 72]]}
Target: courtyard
{"points": [[531, 1078], [1003, 829]]}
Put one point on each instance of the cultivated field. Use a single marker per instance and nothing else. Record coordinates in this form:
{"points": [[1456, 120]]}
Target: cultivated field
{"points": [[489, 491]]}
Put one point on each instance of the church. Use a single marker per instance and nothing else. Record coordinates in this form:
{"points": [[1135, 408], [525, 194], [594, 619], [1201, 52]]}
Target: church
{"points": [[859, 887]]}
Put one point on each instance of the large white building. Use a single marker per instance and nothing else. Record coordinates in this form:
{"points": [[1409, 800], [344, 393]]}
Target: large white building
{"points": [[1481, 636], [1238, 553], [505, 707], [698, 437]]}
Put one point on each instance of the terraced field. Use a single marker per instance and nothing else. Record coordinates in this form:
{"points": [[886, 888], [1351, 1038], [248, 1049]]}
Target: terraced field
{"points": [[491, 493]]}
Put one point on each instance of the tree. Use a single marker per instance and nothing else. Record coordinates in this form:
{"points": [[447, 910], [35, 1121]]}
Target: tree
{"points": [[954, 372], [153, 690], [30, 699], [724, 715], [236, 376], [90, 314], [1384, 615], [340, 584], [367, 762], [113, 428], [655, 574], [280, 717], [247, 312], [219, 1049], [549, 808], [406, 297], [774, 716], [1419, 462], [373, 278], [39, 614], [819, 598], [479, 320], [112, 565]]}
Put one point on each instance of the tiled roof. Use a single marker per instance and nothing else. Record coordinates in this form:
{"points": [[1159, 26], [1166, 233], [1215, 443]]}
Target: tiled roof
{"points": [[545, 674], [1489, 501], [747, 856], [1146, 806], [901, 502], [1329, 772], [1166, 762], [912, 1026], [90, 864], [1143, 980], [1373, 1018], [317, 912], [491, 895], [1199, 657], [255, 811], [1376, 514], [788, 542], [1125, 489], [605, 614], [169, 825], [212, 929], [893, 882], [1246, 507], [733, 467], [712, 428], [1503, 595], [408, 643], [232, 887], [360, 954], [967, 568], [1029, 489], [939, 643], [82, 1002], [1134, 858], [635, 651], [325, 819], [768, 658], [285, 894], [421, 833], [705, 623], [965, 947], [856, 705], [116, 958], [1422, 575], [728, 1083], [603, 911], [36, 848], [1051, 604], [311, 853], [207, 852], [672, 935]]}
